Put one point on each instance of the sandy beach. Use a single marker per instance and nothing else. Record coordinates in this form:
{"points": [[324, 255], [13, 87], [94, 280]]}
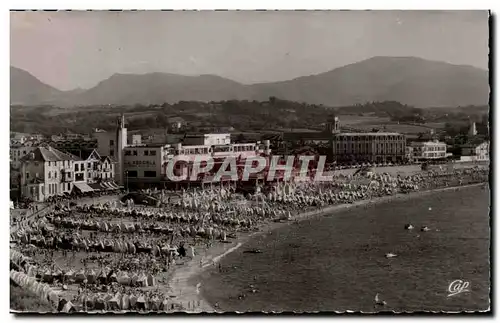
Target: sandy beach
{"points": [[185, 283]]}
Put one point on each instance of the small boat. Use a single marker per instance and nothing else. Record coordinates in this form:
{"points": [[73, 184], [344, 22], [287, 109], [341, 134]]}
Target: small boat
{"points": [[390, 255], [253, 251], [409, 227]]}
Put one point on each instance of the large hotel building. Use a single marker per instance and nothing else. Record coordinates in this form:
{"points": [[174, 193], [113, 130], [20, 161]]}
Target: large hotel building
{"points": [[373, 147]]}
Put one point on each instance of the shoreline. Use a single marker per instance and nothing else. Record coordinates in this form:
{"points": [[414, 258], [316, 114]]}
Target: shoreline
{"points": [[182, 282]]}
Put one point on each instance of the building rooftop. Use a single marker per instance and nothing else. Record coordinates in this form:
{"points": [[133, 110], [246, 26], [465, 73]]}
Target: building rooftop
{"points": [[474, 142], [111, 159], [145, 146], [47, 153], [368, 134]]}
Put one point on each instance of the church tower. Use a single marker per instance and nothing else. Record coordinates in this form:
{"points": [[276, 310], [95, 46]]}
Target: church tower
{"points": [[472, 129], [121, 143]]}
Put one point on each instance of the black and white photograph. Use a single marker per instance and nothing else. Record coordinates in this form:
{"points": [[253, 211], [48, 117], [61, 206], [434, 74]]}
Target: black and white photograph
{"points": [[211, 161]]}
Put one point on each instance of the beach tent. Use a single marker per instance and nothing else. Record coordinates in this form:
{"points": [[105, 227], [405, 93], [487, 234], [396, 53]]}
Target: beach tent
{"points": [[116, 246], [125, 302], [132, 301], [165, 305], [53, 298], [151, 280], [83, 300], [113, 278], [47, 276], [62, 304], [155, 303], [134, 278], [99, 303], [91, 276], [131, 247], [141, 303], [123, 279], [69, 308], [80, 276], [112, 302], [142, 280]]}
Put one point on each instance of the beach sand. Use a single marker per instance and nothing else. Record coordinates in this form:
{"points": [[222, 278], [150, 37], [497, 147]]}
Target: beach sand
{"points": [[185, 280]]}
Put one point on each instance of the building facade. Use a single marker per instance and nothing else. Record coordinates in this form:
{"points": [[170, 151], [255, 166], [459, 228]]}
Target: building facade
{"points": [[185, 155], [429, 150], [143, 163], [47, 172], [476, 152], [17, 152], [207, 139], [373, 147]]}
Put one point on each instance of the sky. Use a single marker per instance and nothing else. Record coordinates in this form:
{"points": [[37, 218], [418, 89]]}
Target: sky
{"points": [[79, 49]]}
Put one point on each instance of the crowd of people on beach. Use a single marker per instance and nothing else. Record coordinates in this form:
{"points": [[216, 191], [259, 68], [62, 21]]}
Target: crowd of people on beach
{"points": [[126, 247]]}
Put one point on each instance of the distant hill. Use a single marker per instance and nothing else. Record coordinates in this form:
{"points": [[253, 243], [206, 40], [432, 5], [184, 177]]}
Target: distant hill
{"points": [[162, 87], [25, 89], [409, 80]]}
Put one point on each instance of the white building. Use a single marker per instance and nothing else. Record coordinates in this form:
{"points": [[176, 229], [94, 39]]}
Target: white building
{"points": [[208, 139], [143, 163], [429, 150], [47, 172], [476, 152], [188, 154]]}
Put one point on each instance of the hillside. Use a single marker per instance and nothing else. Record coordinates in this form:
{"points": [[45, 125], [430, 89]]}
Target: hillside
{"points": [[162, 87], [409, 80], [25, 89]]}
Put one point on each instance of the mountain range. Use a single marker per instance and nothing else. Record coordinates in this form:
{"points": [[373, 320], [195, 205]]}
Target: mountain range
{"points": [[409, 80]]}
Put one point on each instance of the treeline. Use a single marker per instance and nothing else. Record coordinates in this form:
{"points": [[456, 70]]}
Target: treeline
{"points": [[242, 115]]}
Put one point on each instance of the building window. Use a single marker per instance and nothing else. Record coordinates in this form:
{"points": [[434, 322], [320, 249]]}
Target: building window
{"points": [[76, 168], [111, 152], [152, 152], [28, 173], [149, 173], [111, 142], [134, 152], [128, 153], [69, 186], [131, 173], [146, 152], [55, 174]]}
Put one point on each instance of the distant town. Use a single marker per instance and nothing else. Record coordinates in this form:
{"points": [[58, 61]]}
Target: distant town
{"points": [[66, 163]]}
